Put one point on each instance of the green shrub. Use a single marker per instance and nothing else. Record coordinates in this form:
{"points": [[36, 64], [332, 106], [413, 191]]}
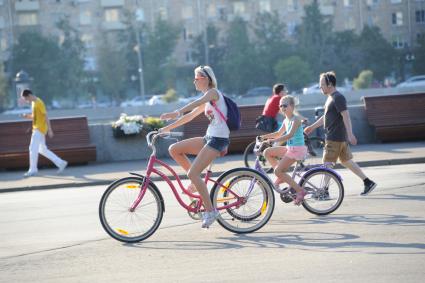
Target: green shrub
{"points": [[170, 96], [364, 80]]}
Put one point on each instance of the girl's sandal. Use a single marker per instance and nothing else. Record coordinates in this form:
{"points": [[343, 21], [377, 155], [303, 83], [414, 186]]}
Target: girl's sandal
{"points": [[300, 197]]}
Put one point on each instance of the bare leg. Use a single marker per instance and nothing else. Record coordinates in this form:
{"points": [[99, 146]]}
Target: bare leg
{"points": [[350, 164], [180, 150], [280, 172], [203, 159], [273, 154]]}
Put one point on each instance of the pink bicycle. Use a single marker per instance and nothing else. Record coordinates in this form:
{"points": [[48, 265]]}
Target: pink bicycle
{"points": [[131, 209]]}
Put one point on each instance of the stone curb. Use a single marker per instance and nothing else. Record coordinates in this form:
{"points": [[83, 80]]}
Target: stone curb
{"points": [[215, 174]]}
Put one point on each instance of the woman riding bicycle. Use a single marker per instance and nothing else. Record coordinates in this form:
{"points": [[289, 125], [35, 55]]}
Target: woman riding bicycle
{"points": [[207, 148], [291, 131]]}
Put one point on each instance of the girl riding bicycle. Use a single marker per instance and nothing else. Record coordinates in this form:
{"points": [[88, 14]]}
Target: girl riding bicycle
{"points": [[206, 148], [291, 131]]}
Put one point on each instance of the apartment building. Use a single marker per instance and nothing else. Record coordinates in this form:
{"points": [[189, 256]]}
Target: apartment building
{"points": [[401, 21]]}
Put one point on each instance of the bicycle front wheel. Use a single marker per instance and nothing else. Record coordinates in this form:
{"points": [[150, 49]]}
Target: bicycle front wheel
{"points": [[249, 159], [325, 191], [244, 198], [125, 225]]}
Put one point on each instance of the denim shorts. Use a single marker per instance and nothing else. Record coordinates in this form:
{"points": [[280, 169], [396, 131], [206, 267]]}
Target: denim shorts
{"points": [[219, 144]]}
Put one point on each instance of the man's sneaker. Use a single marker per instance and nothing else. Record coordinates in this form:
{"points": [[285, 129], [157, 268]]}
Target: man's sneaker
{"points": [[208, 218], [62, 167], [368, 187], [30, 174]]}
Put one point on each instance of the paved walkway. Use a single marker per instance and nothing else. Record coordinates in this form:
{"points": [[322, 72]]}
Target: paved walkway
{"points": [[105, 173]]}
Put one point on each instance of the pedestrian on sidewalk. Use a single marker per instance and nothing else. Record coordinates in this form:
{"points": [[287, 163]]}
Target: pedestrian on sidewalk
{"points": [[40, 127], [338, 129], [267, 121], [207, 148]]}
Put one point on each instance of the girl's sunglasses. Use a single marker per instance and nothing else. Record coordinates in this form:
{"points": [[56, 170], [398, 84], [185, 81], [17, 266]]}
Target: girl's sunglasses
{"points": [[283, 105]]}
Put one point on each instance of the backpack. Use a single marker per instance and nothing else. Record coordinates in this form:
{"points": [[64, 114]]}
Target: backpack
{"points": [[233, 119]]}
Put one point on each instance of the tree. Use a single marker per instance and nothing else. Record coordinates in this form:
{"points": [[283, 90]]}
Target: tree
{"points": [[270, 45], [215, 51], [377, 54], [419, 62], [347, 54], [71, 64], [314, 39], [294, 71], [158, 43], [3, 88], [112, 68], [239, 65], [39, 56], [364, 80]]}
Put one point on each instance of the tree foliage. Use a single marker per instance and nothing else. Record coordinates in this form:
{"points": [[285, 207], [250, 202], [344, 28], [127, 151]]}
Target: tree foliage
{"points": [[3, 88], [294, 71]]}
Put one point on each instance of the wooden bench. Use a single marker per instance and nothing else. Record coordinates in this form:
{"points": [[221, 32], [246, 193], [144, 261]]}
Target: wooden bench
{"points": [[397, 117], [71, 142], [238, 139]]}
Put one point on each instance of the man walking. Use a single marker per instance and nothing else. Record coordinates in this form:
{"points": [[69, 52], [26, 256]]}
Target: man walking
{"points": [[40, 126], [338, 128]]}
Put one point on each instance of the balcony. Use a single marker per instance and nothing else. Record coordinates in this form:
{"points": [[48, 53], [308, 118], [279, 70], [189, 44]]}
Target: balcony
{"points": [[26, 5], [111, 3]]}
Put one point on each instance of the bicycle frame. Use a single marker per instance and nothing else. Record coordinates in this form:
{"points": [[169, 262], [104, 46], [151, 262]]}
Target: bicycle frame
{"points": [[153, 160]]}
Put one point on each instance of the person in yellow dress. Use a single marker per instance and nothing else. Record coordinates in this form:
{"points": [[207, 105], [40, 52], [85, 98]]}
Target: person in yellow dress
{"points": [[40, 127]]}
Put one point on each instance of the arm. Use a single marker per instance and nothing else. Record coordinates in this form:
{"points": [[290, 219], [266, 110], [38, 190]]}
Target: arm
{"points": [[279, 133], [184, 119], [206, 98], [315, 125], [297, 123], [348, 127], [49, 128]]}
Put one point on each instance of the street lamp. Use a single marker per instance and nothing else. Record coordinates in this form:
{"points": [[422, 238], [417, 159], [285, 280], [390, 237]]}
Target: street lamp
{"points": [[139, 18], [22, 81]]}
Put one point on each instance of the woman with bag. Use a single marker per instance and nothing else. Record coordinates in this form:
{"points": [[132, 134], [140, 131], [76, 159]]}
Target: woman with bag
{"points": [[207, 148]]}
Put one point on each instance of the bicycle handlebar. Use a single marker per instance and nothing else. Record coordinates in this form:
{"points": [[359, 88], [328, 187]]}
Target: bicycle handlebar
{"points": [[152, 136]]}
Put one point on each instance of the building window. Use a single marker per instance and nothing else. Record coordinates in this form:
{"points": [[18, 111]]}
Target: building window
{"points": [[140, 15], [211, 11], [292, 5], [397, 19], [348, 3], [239, 8], [187, 12], [420, 16], [162, 11], [372, 2], [87, 39], [395, 1], [291, 26], [27, 19], [265, 6], [222, 13], [85, 18], [398, 41], [112, 15]]}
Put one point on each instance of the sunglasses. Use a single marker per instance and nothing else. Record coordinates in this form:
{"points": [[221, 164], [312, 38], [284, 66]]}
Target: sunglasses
{"points": [[283, 105], [199, 78]]}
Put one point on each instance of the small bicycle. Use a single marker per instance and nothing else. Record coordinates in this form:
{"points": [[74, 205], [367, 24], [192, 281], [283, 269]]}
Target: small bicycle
{"points": [[131, 209], [325, 190], [314, 145]]}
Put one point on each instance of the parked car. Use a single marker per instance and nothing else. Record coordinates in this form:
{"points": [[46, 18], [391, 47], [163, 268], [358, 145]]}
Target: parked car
{"points": [[315, 88], [414, 81], [135, 101], [156, 100], [259, 91]]}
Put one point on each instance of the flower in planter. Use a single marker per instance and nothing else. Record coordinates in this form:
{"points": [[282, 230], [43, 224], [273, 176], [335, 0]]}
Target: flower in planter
{"points": [[133, 125]]}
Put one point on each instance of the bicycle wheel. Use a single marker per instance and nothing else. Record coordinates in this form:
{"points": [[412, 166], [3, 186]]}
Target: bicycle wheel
{"points": [[250, 157], [117, 219], [325, 191], [256, 195]]}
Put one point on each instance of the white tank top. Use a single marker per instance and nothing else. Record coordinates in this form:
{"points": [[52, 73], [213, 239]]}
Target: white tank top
{"points": [[217, 126]]}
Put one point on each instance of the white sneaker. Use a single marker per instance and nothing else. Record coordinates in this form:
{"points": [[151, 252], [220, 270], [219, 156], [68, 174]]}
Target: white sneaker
{"points": [[208, 218], [62, 167], [30, 174]]}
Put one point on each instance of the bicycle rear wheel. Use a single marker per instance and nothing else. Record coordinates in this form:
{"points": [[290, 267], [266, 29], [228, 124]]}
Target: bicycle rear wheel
{"points": [[117, 219], [257, 196], [325, 191]]}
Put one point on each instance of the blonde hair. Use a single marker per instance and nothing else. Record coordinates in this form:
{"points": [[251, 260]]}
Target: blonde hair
{"points": [[206, 71], [292, 101]]}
